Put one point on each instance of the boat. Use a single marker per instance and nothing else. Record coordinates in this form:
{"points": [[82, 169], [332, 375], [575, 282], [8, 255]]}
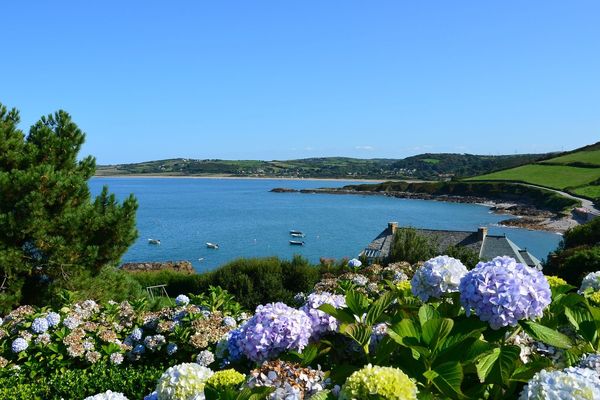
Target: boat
{"points": [[212, 245], [153, 241], [296, 243], [297, 234]]}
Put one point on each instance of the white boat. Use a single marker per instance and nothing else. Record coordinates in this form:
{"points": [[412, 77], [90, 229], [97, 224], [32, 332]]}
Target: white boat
{"points": [[300, 235], [153, 241], [212, 245]]}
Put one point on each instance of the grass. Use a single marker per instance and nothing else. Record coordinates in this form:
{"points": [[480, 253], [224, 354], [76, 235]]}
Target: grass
{"points": [[587, 157], [553, 176], [592, 192], [430, 160]]}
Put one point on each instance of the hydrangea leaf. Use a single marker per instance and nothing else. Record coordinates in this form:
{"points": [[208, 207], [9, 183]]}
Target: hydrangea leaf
{"points": [[337, 313], [546, 335], [436, 330], [357, 302], [447, 378], [498, 365], [378, 307], [427, 312]]}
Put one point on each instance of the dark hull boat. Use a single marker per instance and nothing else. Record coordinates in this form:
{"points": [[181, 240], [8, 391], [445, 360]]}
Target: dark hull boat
{"points": [[296, 243]]}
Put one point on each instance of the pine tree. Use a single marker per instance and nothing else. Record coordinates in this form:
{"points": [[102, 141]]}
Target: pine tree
{"points": [[51, 231]]}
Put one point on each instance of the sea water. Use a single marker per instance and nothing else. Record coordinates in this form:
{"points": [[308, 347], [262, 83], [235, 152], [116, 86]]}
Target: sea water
{"points": [[246, 220]]}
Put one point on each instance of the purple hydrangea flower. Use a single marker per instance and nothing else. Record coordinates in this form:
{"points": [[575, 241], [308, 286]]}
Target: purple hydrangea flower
{"points": [[274, 328], [436, 277], [53, 319], [502, 292], [321, 321], [19, 345], [182, 300], [39, 325]]}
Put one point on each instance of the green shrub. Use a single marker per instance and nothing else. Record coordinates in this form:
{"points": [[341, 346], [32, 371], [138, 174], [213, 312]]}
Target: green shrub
{"points": [[574, 264], [467, 256], [411, 247], [134, 382], [583, 235]]}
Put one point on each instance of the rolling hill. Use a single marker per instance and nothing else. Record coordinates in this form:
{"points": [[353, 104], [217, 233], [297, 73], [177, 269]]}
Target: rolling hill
{"points": [[424, 167], [576, 172]]}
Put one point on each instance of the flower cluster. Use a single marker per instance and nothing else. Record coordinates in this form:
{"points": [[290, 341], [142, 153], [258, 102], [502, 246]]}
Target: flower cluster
{"points": [[384, 382], [355, 263], [591, 282], [108, 395], [182, 300], [205, 358], [322, 322], [555, 281], [274, 328], [438, 276], [591, 361], [227, 378], [570, 383], [290, 380], [502, 292], [183, 382]]}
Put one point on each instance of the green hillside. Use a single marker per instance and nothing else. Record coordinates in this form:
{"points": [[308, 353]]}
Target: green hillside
{"points": [[424, 167], [577, 172]]}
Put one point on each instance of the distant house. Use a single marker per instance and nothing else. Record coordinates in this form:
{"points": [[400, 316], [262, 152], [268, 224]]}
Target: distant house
{"points": [[487, 246]]}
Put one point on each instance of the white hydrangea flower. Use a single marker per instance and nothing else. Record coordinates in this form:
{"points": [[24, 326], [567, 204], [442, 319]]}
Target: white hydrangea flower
{"points": [[591, 280], [205, 358], [568, 384], [182, 300], [438, 276], [108, 395], [183, 382]]}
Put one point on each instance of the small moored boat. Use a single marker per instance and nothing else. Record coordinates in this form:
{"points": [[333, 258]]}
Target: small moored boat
{"points": [[212, 245], [301, 235], [294, 232], [296, 243], [153, 241]]}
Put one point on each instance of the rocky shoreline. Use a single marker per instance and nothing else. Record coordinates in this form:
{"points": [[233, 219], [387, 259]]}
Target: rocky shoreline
{"points": [[522, 215]]}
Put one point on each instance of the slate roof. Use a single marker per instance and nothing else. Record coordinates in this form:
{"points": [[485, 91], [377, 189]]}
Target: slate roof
{"points": [[487, 246]]}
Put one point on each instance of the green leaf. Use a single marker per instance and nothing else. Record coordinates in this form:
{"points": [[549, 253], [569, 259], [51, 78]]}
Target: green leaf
{"points": [[360, 333], [427, 312], [525, 372], [447, 378], [403, 329], [436, 330], [357, 302], [546, 335], [339, 314], [378, 307], [322, 395], [498, 365]]}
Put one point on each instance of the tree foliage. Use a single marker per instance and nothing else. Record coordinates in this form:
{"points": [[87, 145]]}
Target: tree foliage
{"points": [[51, 232], [411, 247]]}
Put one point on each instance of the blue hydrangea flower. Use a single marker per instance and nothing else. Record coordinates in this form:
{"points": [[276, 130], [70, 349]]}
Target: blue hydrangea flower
{"points": [[139, 349], [53, 319], [39, 325], [136, 334], [229, 321], [570, 383], [591, 281], [355, 263], [321, 321], [274, 328], [19, 345], [502, 292], [171, 349], [438, 276], [591, 361], [182, 300]]}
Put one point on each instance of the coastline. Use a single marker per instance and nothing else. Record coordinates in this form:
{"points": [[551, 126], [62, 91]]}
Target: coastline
{"points": [[147, 176], [518, 215]]}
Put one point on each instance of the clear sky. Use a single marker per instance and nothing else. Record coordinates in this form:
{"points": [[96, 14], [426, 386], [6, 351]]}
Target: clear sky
{"points": [[292, 79]]}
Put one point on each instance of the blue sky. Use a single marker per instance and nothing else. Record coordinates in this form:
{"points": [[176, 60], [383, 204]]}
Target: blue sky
{"points": [[280, 79]]}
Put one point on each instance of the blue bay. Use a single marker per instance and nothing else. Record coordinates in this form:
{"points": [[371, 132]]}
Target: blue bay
{"points": [[246, 220]]}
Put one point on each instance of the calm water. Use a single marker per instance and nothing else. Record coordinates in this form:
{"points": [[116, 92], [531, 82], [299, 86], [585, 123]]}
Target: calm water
{"points": [[246, 220]]}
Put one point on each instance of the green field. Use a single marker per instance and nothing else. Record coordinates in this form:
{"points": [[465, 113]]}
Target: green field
{"points": [[553, 176], [592, 192], [586, 157]]}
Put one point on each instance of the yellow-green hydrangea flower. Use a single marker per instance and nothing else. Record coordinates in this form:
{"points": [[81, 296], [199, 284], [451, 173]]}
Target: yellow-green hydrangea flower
{"points": [[387, 382], [225, 379], [404, 286], [555, 281], [594, 298]]}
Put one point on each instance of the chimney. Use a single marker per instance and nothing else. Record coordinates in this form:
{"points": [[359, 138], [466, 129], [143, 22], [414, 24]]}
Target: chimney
{"points": [[482, 232], [393, 226]]}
